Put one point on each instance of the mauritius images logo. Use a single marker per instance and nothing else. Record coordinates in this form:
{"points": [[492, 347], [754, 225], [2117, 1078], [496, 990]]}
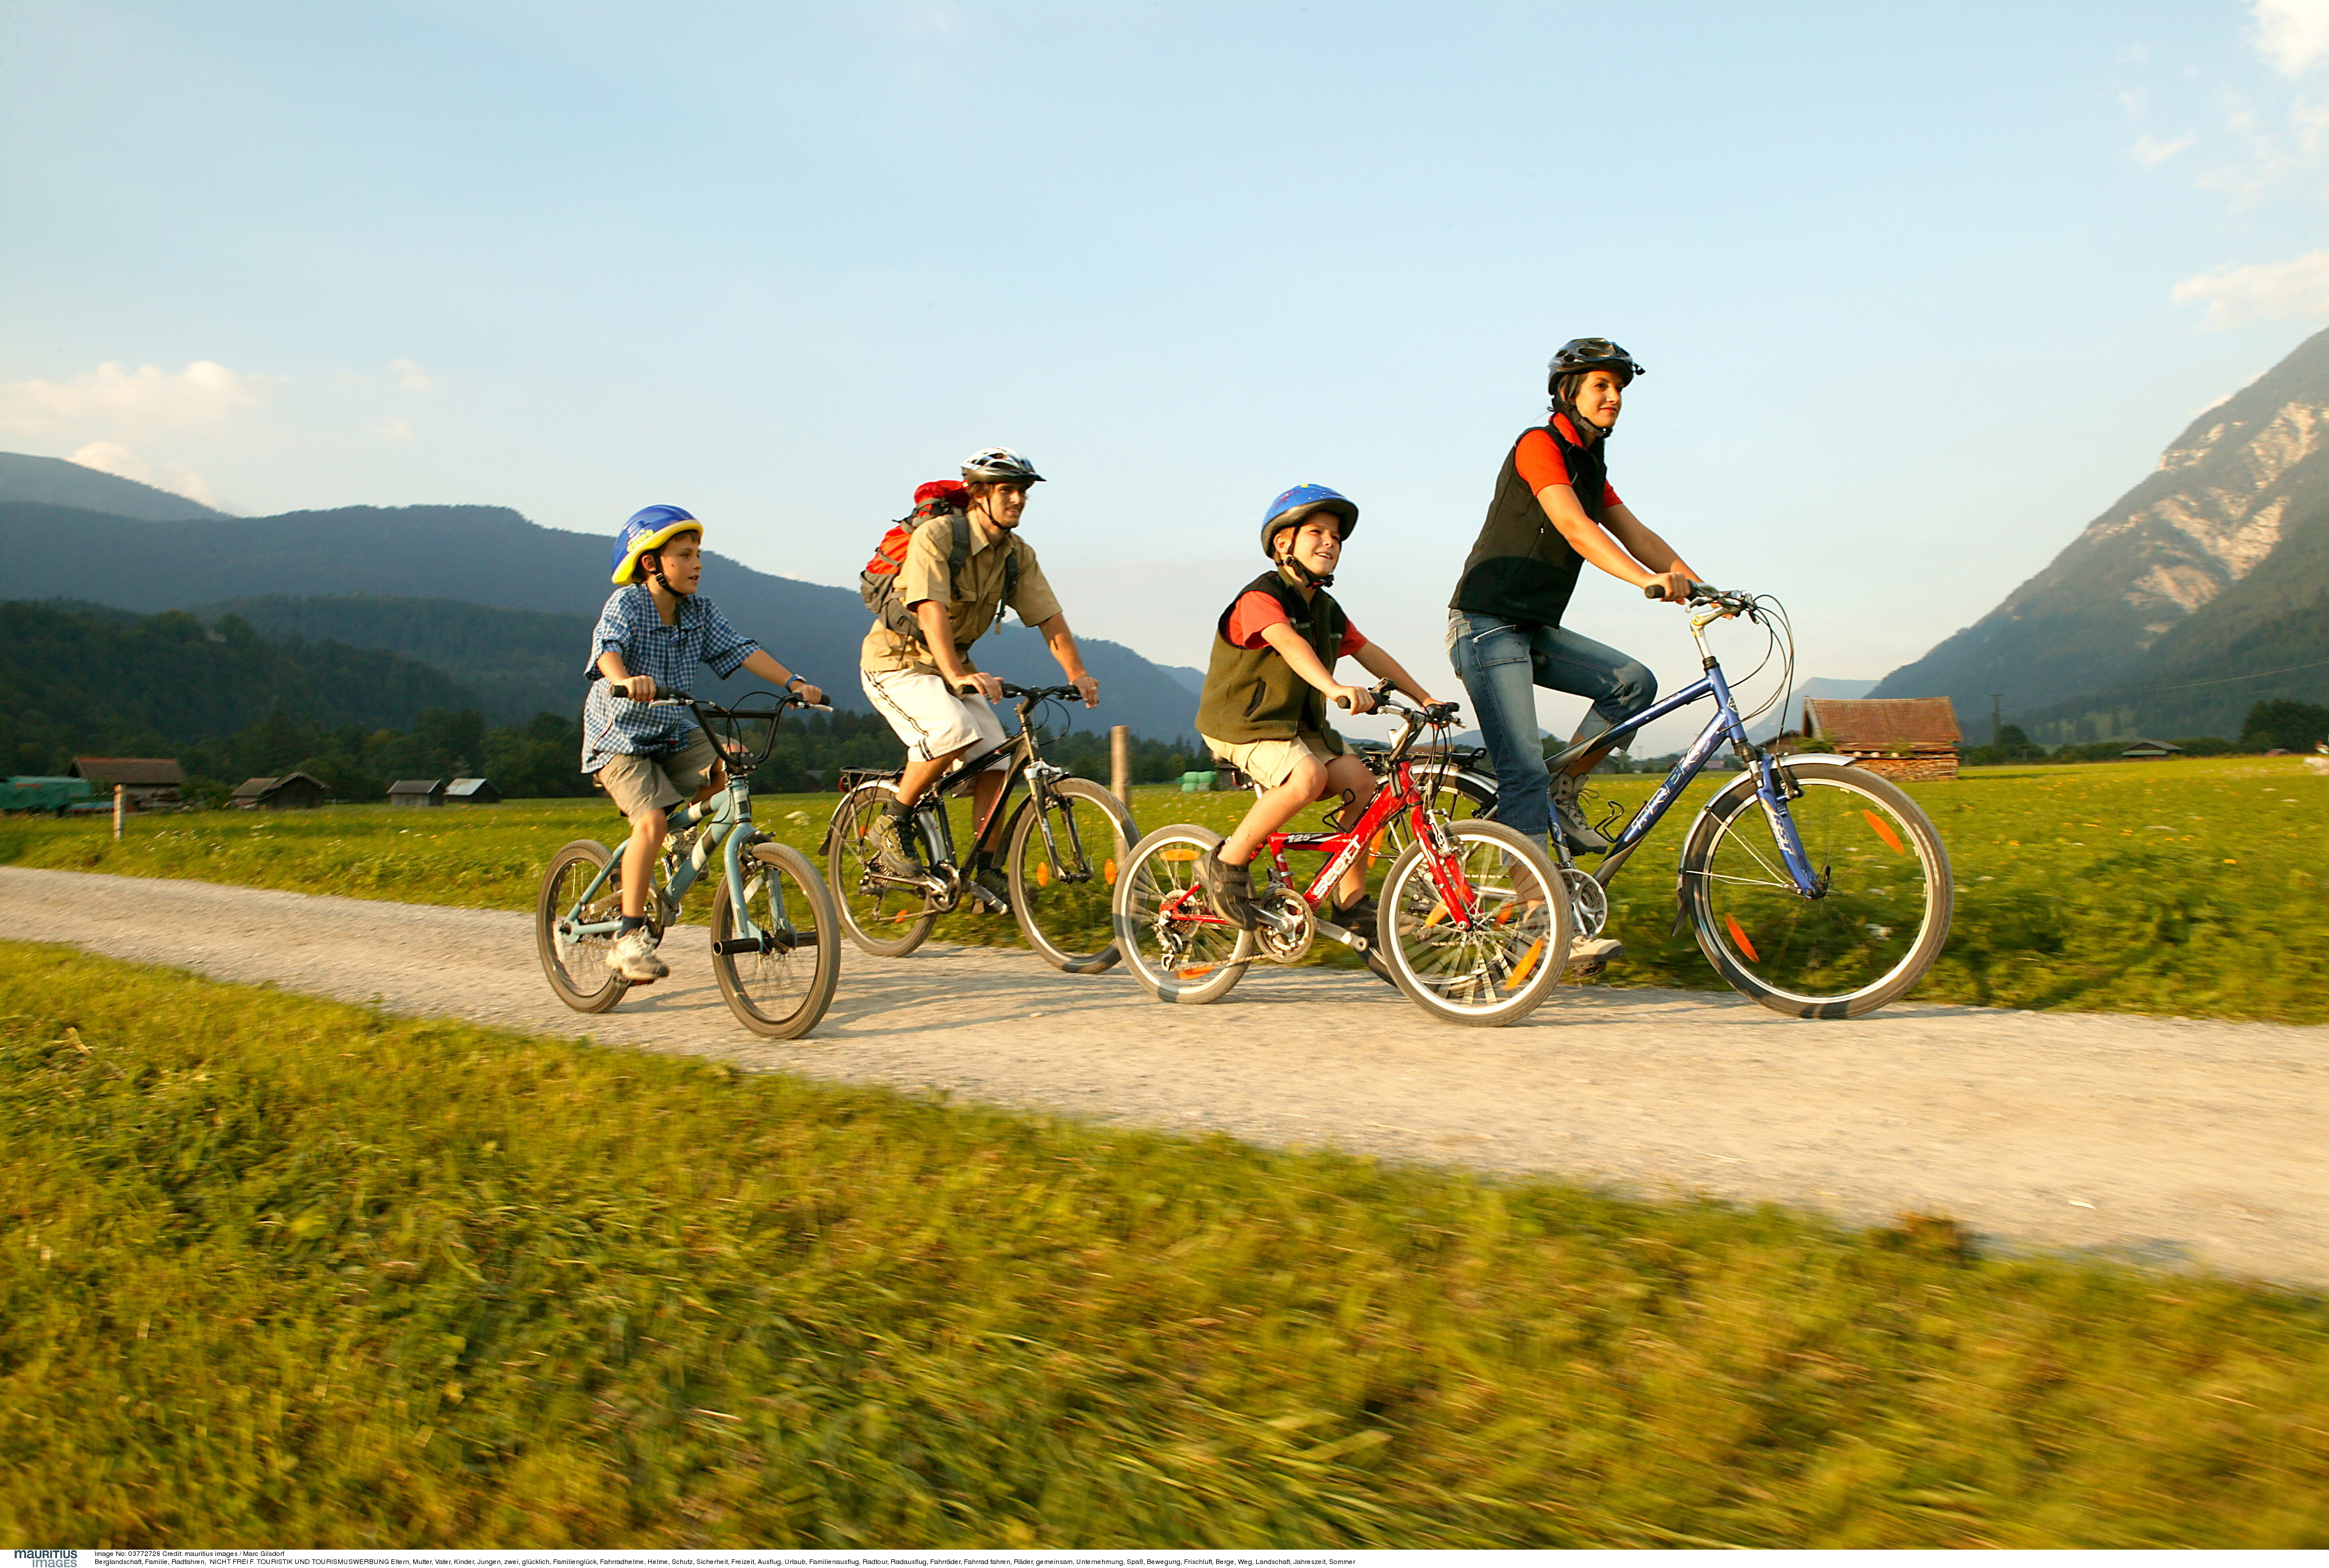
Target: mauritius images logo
{"points": [[65, 1559]]}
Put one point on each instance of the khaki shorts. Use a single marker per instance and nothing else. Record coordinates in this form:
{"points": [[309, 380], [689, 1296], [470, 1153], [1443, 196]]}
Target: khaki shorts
{"points": [[1270, 763], [929, 717], [643, 783]]}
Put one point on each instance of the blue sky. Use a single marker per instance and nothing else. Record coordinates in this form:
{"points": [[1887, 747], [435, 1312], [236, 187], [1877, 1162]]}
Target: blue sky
{"points": [[1921, 290]]}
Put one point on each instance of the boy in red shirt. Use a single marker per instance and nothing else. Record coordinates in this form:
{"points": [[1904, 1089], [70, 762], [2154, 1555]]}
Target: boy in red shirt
{"points": [[1264, 707]]}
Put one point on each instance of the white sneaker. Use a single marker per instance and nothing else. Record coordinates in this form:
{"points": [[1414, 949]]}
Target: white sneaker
{"points": [[633, 957]]}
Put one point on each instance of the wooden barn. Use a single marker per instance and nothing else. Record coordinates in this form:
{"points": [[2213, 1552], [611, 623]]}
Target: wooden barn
{"points": [[1901, 738], [417, 792], [146, 782], [472, 792], [291, 792]]}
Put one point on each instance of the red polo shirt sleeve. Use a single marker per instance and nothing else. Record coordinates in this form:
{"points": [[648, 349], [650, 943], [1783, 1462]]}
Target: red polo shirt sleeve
{"points": [[1257, 610], [1540, 464]]}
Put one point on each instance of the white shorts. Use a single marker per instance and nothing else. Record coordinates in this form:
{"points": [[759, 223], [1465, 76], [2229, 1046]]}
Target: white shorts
{"points": [[928, 717]]}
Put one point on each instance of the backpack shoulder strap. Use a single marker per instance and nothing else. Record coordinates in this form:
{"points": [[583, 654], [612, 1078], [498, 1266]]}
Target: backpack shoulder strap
{"points": [[958, 554]]}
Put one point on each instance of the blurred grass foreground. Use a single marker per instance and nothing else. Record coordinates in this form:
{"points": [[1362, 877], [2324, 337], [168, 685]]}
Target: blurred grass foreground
{"points": [[283, 1273]]}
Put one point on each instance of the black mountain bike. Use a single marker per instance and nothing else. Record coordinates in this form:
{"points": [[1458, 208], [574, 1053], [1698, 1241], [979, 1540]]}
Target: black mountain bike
{"points": [[1063, 846]]}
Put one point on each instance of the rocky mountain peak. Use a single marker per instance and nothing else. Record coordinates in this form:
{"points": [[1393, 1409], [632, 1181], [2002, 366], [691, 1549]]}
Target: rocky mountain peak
{"points": [[2224, 498]]}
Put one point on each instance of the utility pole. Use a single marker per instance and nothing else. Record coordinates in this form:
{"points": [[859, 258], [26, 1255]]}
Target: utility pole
{"points": [[1996, 716]]}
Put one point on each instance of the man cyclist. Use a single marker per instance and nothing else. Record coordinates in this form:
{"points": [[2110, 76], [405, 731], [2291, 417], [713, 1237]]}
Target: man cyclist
{"points": [[937, 701], [1553, 510]]}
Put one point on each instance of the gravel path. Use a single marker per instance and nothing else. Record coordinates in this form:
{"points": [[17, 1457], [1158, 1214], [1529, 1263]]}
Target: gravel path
{"points": [[2163, 1141]]}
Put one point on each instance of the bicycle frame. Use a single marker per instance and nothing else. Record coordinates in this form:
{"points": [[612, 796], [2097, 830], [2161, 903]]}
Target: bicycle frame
{"points": [[1027, 764], [730, 816], [1342, 847], [1725, 724]]}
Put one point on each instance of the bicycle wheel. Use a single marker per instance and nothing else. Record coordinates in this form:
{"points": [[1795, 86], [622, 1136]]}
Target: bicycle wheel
{"points": [[883, 916], [1062, 891], [577, 965], [1495, 968], [781, 993], [1865, 939], [1174, 942]]}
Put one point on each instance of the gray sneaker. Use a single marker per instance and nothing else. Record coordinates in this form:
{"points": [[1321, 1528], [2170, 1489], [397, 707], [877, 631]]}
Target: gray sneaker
{"points": [[1583, 839], [633, 957]]}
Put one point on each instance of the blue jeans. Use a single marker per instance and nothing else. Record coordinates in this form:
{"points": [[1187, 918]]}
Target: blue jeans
{"points": [[1501, 664]]}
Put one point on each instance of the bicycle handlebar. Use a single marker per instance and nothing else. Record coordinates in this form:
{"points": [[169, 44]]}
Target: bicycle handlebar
{"points": [[1027, 693], [1732, 603]]}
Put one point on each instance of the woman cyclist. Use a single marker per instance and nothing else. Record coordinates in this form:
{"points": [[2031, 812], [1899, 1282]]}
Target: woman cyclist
{"points": [[1553, 510]]}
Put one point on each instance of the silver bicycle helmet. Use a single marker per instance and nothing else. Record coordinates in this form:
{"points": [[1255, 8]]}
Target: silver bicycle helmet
{"points": [[995, 465]]}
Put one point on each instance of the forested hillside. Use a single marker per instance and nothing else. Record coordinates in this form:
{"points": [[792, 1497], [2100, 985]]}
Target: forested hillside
{"points": [[93, 681], [53, 482], [491, 556], [518, 662]]}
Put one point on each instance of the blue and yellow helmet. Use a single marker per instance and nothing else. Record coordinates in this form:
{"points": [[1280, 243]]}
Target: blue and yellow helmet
{"points": [[1290, 508], [649, 528]]}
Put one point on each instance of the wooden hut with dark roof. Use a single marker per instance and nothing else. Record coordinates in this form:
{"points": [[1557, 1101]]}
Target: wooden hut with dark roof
{"points": [[1902, 738], [146, 782], [291, 792]]}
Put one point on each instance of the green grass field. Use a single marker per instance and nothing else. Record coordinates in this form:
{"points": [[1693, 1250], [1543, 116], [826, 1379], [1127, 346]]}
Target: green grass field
{"points": [[278, 1271], [2193, 888]]}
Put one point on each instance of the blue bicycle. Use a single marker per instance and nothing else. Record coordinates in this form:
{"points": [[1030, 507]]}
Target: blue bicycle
{"points": [[776, 950], [1812, 885]]}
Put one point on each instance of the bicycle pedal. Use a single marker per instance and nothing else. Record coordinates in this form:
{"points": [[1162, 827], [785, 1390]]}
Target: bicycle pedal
{"points": [[1588, 958]]}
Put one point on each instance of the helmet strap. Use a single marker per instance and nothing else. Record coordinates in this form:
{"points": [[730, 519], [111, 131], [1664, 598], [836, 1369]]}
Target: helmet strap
{"points": [[1302, 574]]}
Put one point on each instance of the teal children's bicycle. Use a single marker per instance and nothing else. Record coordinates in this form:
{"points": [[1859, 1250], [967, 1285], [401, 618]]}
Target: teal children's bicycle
{"points": [[776, 948]]}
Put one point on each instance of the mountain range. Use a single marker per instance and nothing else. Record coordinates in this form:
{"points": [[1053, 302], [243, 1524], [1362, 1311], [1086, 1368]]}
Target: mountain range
{"points": [[428, 582], [2201, 591]]}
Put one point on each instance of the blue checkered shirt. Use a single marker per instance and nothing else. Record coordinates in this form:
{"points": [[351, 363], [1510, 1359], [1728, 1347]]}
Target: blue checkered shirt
{"points": [[615, 726]]}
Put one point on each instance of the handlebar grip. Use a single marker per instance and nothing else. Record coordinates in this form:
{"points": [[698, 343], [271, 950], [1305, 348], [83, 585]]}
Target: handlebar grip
{"points": [[1343, 703]]}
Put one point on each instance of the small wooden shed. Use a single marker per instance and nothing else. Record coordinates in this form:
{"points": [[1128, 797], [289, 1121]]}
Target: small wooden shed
{"points": [[2145, 749], [146, 782], [291, 792], [417, 792], [472, 792], [1901, 738]]}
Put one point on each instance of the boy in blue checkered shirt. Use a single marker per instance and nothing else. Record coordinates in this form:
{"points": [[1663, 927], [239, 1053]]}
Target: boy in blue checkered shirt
{"points": [[655, 629]]}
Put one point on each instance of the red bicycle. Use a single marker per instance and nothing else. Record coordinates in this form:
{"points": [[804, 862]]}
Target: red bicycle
{"points": [[1471, 923]]}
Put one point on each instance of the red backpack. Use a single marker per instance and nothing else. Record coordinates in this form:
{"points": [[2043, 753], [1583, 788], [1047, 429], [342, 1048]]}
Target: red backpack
{"points": [[877, 584]]}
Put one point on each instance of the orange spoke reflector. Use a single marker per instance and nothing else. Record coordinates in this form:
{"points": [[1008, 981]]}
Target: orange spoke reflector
{"points": [[1109, 871], [1528, 962], [1042, 873], [1200, 972], [1885, 831], [1178, 852], [1438, 913], [1504, 915], [1740, 938]]}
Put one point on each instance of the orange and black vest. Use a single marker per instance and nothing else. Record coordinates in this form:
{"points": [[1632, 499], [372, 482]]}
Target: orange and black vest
{"points": [[1522, 568], [1252, 693]]}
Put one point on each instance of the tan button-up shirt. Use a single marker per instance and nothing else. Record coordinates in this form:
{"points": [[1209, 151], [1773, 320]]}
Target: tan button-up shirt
{"points": [[971, 603]]}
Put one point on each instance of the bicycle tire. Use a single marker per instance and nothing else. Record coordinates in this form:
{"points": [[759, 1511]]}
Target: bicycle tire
{"points": [[1844, 954], [1209, 963], [880, 917], [1498, 973], [578, 971], [1062, 918], [751, 981]]}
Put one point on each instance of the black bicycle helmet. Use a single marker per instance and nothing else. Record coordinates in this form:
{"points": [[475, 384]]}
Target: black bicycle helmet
{"points": [[1579, 354]]}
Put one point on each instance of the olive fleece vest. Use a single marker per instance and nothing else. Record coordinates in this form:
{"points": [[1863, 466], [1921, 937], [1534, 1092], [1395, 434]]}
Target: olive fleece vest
{"points": [[1522, 568], [1252, 693]]}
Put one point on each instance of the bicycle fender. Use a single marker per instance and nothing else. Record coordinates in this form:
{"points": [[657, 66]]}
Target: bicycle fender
{"points": [[1838, 758]]}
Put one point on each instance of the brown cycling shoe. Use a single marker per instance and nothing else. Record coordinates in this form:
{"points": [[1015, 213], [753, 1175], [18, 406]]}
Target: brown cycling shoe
{"points": [[1228, 888]]}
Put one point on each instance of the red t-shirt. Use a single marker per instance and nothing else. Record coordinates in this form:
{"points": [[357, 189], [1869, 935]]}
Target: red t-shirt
{"points": [[1256, 609], [1540, 463]]}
